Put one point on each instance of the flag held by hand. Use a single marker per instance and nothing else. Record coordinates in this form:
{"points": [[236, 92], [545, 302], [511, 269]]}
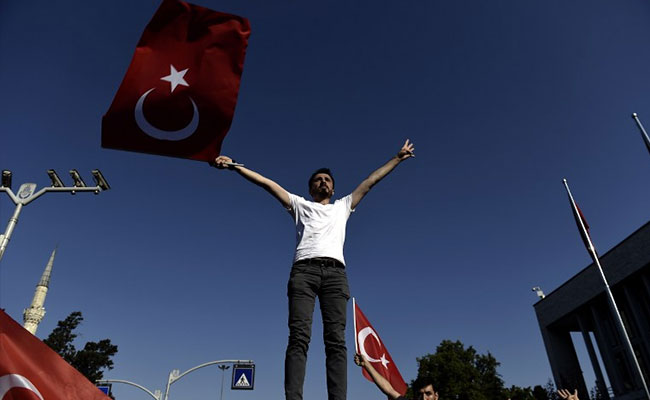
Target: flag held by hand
{"points": [[369, 344], [179, 93]]}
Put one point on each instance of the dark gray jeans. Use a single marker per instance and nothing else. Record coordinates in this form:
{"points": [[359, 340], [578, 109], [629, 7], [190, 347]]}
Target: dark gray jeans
{"points": [[325, 278]]}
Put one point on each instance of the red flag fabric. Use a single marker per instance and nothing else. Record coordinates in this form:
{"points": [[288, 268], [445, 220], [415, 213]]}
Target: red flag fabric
{"points": [[372, 348], [30, 370], [179, 93], [586, 237]]}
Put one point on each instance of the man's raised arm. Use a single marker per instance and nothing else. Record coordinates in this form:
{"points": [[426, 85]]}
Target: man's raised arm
{"points": [[405, 152], [270, 186], [382, 383]]}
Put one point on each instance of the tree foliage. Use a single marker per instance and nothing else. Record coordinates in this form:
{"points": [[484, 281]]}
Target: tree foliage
{"points": [[539, 393], [92, 359], [464, 374], [551, 392], [519, 393], [461, 373]]}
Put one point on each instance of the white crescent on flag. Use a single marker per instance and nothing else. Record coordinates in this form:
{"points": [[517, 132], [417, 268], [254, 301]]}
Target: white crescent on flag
{"points": [[361, 338], [8, 382], [154, 132]]}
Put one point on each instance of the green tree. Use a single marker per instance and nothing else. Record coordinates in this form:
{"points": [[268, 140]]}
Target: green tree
{"points": [[461, 373], [551, 391], [539, 393], [92, 359], [518, 393]]}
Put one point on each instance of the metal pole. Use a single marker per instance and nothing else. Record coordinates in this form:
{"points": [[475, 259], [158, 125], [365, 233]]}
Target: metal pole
{"points": [[354, 321], [157, 397], [610, 296], [170, 379], [644, 135], [223, 369], [10, 228], [26, 195], [174, 375]]}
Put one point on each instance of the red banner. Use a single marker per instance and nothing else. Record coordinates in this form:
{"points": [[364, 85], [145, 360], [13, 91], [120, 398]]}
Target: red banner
{"points": [[372, 348], [179, 94], [30, 370]]}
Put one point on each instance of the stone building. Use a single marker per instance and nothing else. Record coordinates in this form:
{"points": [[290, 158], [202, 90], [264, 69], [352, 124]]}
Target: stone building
{"points": [[580, 305]]}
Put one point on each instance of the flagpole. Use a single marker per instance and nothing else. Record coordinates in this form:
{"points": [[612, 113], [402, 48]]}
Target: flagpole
{"points": [[610, 296], [644, 134], [354, 319]]}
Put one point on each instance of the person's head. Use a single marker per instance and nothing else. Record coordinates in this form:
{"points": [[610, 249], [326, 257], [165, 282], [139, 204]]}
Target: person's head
{"points": [[423, 389], [321, 184]]}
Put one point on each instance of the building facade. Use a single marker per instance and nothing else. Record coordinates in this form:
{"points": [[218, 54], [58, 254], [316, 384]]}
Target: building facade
{"points": [[581, 305]]}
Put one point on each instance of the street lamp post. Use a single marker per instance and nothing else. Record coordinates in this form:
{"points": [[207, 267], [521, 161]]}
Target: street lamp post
{"points": [[223, 369], [176, 375], [156, 394], [27, 193]]}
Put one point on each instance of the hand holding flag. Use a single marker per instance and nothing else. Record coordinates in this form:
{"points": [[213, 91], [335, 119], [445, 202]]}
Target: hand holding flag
{"points": [[381, 382]]}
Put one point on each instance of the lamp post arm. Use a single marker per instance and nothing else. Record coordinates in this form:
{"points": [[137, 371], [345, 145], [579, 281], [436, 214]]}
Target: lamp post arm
{"points": [[4, 239], [174, 376], [68, 189], [26, 195], [129, 383], [10, 193], [211, 363]]}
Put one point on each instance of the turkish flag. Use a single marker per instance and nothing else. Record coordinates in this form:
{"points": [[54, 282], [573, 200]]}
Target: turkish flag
{"points": [[30, 370], [586, 237], [369, 345], [178, 96]]}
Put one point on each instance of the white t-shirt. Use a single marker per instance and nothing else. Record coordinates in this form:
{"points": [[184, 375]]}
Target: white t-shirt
{"points": [[320, 228]]}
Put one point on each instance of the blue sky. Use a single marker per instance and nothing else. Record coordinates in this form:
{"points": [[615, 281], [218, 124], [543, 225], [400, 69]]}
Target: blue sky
{"points": [[180, 264]]}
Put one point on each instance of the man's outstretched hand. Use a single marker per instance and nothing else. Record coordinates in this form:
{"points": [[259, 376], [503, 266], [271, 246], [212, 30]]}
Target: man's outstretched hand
{"points": [[565, 394], [222, 162], [406, 151]]}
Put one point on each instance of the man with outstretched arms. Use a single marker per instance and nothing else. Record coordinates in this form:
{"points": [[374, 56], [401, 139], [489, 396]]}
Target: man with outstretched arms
{"points": [[318, 268]]}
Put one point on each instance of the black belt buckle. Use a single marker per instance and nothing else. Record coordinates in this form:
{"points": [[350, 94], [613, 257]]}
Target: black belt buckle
{"points": [[329, 262], [321, 262]]}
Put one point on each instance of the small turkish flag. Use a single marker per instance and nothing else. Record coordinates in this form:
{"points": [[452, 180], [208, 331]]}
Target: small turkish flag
{"points": [[30, 370], [371, 347], [586, 237], [178, 96]]}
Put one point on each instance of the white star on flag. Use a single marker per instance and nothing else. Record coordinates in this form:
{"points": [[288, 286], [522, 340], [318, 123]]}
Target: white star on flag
{"points": [[175, 77], [384, 361]]}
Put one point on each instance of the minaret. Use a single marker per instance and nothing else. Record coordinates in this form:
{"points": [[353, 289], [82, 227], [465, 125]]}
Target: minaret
{"points": [[33, 315]]}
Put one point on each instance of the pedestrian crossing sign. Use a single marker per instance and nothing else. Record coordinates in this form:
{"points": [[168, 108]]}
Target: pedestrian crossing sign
{"points": [[106, 389], [243, 376]]}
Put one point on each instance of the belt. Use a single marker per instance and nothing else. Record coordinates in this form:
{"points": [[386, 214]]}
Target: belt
{"points": [[321, 262]]}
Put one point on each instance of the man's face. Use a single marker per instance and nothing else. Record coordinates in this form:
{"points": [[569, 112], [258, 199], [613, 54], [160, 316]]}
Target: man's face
{"points": [[321, 187], [427, 393]]}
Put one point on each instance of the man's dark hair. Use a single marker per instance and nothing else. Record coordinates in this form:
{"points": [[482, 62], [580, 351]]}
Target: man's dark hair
{"points": [[320, 171], [421, 383]]}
